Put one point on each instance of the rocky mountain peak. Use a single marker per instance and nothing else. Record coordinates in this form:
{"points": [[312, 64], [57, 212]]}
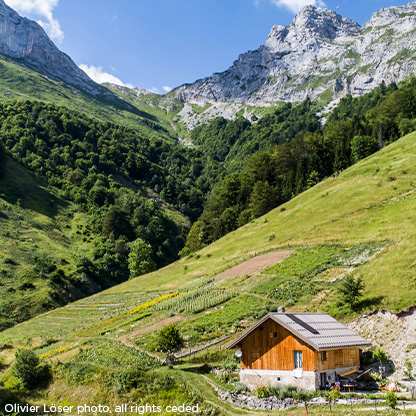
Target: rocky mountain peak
{"points": [[323, 23], [24, 39], [322, 55]]}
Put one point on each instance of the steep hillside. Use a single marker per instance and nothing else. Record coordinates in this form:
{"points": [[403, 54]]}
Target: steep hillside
{"points": [[32, 67], [294, 152], [40, 241], [102, 194], [371, 202], [18, 82], [360, 222]]}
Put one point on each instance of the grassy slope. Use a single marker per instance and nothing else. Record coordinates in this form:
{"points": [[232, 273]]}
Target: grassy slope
{"points": [[18, 82], [164, 108], [370, 204], [372, 201], [34, 221]]}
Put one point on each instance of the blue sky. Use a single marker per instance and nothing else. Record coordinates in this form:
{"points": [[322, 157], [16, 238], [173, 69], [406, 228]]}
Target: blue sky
{"points": [[161, 44]]}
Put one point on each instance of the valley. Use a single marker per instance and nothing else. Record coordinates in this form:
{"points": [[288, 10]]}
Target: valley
{"points": [[124, 213]]}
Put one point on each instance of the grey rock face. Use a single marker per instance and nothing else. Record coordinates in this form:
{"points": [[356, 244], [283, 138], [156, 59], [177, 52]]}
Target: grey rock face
{"points": [[21, 38], [321, 54]]}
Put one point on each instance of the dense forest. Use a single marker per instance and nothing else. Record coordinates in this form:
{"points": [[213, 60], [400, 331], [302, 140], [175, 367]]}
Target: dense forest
{"points": [[118, 177], [234, 141], [295, 153]]}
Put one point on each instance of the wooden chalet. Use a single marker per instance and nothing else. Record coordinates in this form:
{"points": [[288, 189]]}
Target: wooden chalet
{"points": [[306, 350]]}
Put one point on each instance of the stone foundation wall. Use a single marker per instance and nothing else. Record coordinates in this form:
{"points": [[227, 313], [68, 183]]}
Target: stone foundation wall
{"points": [[310, 380], [256, 378]]}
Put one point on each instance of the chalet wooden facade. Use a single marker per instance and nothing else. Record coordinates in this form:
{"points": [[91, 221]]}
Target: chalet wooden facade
{"points": [[304, 350]]}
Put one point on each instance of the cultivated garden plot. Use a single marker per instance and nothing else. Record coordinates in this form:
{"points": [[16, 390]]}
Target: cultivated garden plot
{"points": [[255, 264]]}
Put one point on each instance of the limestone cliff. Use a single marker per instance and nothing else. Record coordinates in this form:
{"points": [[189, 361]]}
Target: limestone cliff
{"points": [[321, 54], [26, 41]]}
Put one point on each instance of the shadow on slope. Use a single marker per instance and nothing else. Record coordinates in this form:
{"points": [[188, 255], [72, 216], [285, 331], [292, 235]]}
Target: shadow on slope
{"points": [[21, 188]]}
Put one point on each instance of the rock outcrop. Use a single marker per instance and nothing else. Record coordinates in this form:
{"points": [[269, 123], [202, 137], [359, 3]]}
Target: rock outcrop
{"points": [[26, 41], [394, 333], [321, 54]]}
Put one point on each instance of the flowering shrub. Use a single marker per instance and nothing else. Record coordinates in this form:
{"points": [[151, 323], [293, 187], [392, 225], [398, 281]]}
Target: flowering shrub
{"points": [[56, 351], [152, 302]]}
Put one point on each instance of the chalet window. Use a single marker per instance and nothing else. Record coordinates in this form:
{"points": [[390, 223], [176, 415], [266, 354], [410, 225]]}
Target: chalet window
{"points": [[298, 359], [323, 356]]}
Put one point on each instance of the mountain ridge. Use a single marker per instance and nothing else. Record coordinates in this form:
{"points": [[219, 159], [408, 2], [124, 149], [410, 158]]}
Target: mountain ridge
{"points": [[338, 57]]}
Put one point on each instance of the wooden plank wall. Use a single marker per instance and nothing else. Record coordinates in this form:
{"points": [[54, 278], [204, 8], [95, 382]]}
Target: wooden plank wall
{"points": [[346, 357], [263, 351]]}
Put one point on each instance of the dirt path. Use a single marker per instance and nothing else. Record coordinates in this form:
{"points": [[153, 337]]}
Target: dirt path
{"points": [[255, 264]]}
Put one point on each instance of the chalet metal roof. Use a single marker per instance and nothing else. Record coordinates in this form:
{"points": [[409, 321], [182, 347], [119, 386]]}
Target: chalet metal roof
{"points": [[319, 330]]}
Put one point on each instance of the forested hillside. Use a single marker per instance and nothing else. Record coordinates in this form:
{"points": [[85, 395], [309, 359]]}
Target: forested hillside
{"points": [[296, 153], [140, 195], [136, 197]]}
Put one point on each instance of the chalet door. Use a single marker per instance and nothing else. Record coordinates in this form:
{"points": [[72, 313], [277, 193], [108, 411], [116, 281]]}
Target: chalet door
{"points": [[339, 359], [323, 380]]}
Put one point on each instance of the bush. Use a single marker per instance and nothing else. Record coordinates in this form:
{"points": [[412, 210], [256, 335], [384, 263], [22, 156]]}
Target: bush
{"points": [[262, 392], [351, 290], [126, 379], [391, 399], [408, 372], [377, 377], [229, 363], [30, 371], [239, 387], [169, 341], [380, 355]]}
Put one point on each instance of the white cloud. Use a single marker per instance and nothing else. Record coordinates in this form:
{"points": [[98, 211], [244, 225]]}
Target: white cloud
{"points": [[167, 89], [43, 9], [296, 5], [97, 74]]}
